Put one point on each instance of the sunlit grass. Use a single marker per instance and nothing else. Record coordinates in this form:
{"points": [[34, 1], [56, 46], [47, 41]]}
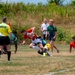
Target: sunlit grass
{"points": [[28, 62]]}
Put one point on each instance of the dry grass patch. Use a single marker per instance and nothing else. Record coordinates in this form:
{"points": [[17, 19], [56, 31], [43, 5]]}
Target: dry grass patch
{"points": [[28, 62]]}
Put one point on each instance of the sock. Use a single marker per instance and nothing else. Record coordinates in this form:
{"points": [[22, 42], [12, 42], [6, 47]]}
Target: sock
{"points": [[9, 55], [48, 53], [0, 52], [36, 47]]}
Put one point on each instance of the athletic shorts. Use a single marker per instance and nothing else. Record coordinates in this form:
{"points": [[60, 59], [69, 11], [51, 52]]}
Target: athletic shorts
{"points": [[4, 40], [51, 38], [37, 41]]}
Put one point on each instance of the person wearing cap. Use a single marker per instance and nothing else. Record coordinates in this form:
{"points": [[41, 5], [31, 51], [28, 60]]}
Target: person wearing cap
{"points": [[52, 34], [4, 39]]}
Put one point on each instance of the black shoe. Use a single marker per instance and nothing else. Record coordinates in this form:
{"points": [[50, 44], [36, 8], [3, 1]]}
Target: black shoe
{"points": [[40, 52]]}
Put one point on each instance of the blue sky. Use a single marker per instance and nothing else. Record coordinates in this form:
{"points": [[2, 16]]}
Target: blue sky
{"points": [[33, 1]]}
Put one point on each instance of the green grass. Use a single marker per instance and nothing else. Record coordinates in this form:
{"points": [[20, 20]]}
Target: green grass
{"points": [[28, 62]]}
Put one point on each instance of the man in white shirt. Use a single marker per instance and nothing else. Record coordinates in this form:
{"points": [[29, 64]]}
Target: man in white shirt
{"points": [[44, 29]]}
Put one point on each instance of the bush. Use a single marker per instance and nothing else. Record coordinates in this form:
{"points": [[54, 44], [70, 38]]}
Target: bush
{"points": [[24, 16], [64, 35]]}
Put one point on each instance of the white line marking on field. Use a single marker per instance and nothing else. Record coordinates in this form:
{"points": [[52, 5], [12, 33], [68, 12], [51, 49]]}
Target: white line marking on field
{"points": [[61, 71]]}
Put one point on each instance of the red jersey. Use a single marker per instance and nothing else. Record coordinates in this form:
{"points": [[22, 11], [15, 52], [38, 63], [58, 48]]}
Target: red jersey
{"points": [[10, 25], [72, 44], [27, 35]]}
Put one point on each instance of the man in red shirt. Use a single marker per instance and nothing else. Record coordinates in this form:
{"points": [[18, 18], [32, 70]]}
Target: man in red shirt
{"points": [[72, 44], [36, 41]]}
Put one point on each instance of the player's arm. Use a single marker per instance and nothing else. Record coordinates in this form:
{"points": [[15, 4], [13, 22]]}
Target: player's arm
{"points": [[41, 28], [31, 30], [55, 29], [24, 41], [10, 34], [55, 35], [70, 48], [47, 32]]}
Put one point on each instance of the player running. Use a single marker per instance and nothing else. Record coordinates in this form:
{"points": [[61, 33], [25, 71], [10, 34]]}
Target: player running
{"points": [[72, 44]]}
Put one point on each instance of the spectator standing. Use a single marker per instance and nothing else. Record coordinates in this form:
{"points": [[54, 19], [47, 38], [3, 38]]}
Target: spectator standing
{"points": [[44, 29], [52, 34]]}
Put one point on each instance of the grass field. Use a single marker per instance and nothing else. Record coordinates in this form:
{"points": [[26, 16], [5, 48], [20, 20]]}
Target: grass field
{"points": [[28, 62]]}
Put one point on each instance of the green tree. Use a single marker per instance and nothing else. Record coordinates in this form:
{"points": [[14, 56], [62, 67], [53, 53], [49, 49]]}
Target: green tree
{"points": [[73, 2], [57, 2]]}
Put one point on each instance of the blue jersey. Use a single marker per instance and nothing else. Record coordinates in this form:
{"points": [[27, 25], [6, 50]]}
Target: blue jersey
{"points": [[44, 42], [13, 38]]}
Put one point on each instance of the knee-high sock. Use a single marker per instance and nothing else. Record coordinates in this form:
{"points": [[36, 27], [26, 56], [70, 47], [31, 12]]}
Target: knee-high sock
{"points": [[0, 52], [48, 53], [8, 55]]}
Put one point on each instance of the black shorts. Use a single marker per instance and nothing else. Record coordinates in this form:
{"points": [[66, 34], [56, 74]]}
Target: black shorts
{"points": [[51, 38], [4, 40]]}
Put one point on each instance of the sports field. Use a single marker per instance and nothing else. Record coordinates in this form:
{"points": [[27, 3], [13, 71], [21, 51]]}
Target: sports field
{"points": [[28, 62]]}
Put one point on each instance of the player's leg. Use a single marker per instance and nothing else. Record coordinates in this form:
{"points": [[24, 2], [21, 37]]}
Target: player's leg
{"points": [[44, 37], [70, 50], [7, 43], [8, 52], [48, 53], [56, 48], [1, 48], [41, 46], [47, 36], [53, 46], [51, 43], [46, 49], [4, 49], [32, 45], [16, 46], [1, 45], [41, 51]]}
